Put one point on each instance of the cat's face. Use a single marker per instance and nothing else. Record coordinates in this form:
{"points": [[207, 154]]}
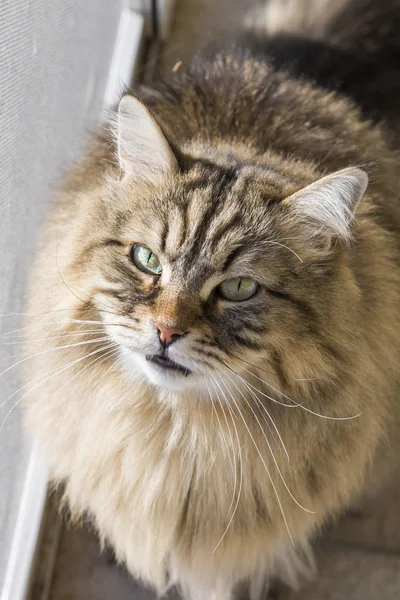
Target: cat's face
{"points": [[199, 274], [209, 269]]}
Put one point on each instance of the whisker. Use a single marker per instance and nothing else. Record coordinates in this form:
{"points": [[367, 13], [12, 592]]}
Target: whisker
{"points": [[32, 315], [240, 466], [114, 350], [295, 404], [24, 339], [52, 350], [63, 320], [39, 377], [328, 418], [269, 416], [44, 380], [270, 449], [232, 462], [220, 424], [70, 289], [287, 248], [269, 373], [265, 467]]}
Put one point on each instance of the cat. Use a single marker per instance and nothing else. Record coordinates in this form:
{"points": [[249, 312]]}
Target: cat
{"points": [[215, 336]]}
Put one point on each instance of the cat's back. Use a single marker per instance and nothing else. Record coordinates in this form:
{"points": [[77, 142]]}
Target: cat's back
{"points": [[351, 47], [236, 95]]}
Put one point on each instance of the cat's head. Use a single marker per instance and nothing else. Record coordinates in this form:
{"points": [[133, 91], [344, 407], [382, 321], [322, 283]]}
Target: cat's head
{"points": [[216, 263]]}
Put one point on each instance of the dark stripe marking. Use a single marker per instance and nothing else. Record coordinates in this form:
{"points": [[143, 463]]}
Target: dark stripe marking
{"points": [[231, 257], [223, 229], [278, 366], [222, 188], [253, 345], [300, 304], [185, 210], [164, 236]]}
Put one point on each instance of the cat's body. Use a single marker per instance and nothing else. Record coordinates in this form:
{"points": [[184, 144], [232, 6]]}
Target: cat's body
{"points": [[187, 473]]}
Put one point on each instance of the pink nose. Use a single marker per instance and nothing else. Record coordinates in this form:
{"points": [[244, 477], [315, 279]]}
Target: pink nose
{"points": [[168, 335]]}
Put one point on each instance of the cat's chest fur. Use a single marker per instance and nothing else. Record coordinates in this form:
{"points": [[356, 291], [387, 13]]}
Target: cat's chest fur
{"points": [[159, 481]]}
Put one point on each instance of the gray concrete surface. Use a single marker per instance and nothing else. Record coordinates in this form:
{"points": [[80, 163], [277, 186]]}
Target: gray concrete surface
{"points": [[358, 559]]}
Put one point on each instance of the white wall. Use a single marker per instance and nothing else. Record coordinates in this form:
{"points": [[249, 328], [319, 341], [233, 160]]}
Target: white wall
{"points": [[54, 63]]}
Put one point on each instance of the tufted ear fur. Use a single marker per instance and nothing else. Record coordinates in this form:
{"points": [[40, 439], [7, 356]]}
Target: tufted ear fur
{"points": [[142, 147], [330, 203]]}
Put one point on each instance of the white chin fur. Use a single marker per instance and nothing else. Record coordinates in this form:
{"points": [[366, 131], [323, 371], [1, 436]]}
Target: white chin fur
{"points": [[138, 366]]}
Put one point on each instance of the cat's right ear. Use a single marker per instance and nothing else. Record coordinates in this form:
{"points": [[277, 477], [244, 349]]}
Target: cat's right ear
{"points": [[142, 148]]}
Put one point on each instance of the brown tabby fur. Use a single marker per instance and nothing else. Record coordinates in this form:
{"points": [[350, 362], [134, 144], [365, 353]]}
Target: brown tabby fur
{"points": [[157, 469]]}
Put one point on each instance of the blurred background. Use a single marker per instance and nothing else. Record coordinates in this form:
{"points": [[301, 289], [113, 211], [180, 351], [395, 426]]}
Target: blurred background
{"points": [[62, 66]]}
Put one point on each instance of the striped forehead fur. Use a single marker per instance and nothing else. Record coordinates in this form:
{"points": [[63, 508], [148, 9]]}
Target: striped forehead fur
{"points": [[216, 200]]}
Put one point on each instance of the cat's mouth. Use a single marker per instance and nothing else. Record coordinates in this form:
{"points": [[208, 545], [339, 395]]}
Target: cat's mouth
{"points": [[167, 364]]}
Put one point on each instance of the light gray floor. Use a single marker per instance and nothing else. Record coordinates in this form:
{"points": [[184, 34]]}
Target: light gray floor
{"points": [[343, 574], [359, 559], [200, 22]]}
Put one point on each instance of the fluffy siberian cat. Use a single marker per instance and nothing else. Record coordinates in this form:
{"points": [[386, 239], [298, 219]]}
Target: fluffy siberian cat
{"points": [[219, 291]]}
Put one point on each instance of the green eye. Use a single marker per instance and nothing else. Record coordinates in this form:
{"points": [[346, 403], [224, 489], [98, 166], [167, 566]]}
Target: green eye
{"points": [[238, 289], [145, 260]]}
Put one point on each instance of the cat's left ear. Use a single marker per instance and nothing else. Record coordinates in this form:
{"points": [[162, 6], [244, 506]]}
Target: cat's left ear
{"points": [[142, 147], [329, 204]]}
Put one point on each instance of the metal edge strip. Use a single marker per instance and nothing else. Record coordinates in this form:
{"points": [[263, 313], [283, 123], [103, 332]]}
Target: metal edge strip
{"points": [[24, 544]]}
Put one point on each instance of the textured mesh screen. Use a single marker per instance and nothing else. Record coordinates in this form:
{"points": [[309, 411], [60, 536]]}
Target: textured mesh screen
{"points": [[54, 61]]}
